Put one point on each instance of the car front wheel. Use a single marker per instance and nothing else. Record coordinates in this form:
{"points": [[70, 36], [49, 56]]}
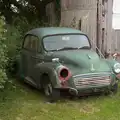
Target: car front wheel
{"points": [[48, 89], [50, 92], [115, 88]]}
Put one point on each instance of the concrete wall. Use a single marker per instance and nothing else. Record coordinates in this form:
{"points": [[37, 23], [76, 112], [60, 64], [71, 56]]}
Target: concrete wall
{"points": [[95, 17], [80, 14]]}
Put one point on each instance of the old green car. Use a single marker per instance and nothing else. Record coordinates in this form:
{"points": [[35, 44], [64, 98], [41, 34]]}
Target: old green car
{"points": [[58, 58]]}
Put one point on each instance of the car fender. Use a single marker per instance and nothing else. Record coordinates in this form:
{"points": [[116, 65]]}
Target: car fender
{"points": [[51, 70], [111, 63]]}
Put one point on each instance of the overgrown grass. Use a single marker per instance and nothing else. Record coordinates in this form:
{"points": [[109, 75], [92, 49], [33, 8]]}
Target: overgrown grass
{"points": [[26, 103]]}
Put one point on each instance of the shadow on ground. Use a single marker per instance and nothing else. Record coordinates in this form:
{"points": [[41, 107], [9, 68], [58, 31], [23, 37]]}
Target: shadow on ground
{"points": [[64, 95]]}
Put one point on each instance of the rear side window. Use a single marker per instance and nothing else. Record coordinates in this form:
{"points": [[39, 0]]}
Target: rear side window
{"points": [[31, 43], [27, 43], [34, 43]]}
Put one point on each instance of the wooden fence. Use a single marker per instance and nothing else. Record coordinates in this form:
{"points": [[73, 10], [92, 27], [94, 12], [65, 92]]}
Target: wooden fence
{"points": [[115, 43]]}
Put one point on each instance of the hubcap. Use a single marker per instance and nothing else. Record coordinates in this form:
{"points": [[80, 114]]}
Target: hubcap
{"points": [[48, 89]]}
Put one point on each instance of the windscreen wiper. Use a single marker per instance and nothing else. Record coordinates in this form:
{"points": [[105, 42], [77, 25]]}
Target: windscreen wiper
{"points": [[71, 48], [84, 47], [67, 48]]}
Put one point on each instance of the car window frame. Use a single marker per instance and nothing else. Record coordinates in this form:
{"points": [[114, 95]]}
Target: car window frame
{"points": [[30, 49], [24, 42], [64, 34], [37, 44]]}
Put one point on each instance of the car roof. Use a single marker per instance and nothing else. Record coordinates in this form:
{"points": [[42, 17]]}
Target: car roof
{"points": [[41, 32]]}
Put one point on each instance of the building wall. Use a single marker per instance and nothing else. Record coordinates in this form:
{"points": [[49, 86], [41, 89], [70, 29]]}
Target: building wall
{"points": [[108, 25], [80, 14], [51, 15], [115, 41], [94, 17]]}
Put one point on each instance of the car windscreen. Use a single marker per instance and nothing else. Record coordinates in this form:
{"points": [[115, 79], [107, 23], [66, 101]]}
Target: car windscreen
{"points": [[63, 42]]}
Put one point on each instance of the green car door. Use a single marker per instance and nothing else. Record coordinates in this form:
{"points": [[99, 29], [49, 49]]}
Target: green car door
{"points": [[29, 59], [25, 56]]}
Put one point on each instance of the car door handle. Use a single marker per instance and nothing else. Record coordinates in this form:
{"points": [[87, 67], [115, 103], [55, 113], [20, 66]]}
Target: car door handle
{"points": [[34, 57], [37, 57]]}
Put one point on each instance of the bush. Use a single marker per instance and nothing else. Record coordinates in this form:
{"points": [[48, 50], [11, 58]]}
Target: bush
{"points": [[3, 57], [14, 37]]}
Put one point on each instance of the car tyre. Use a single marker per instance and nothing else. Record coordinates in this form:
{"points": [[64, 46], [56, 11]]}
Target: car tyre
{"points": [[51, 93], [115, 88], [48, 89]]}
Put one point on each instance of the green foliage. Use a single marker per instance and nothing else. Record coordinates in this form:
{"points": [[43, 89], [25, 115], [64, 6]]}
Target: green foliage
{"points": [[31, 9], [3, 79], [3, 56], [14, 37]]}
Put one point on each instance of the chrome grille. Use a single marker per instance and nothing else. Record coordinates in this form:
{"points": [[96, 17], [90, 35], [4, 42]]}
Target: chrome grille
{"points": [[92, 81]]}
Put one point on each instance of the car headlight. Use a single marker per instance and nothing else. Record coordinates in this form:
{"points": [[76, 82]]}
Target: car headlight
{"points": [[117, 68]]}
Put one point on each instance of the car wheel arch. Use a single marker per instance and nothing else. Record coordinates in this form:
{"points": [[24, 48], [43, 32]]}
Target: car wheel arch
{"points": [[42, 77], [52, 76]]}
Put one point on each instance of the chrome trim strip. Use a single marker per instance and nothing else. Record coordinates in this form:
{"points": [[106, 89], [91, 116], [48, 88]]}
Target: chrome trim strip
{"points": [[102, 73], [100, 77], [80, 81]]}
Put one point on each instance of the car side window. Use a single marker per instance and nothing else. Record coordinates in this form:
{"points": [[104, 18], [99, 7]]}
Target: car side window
{"points": [[34, 43], [27, 43]]}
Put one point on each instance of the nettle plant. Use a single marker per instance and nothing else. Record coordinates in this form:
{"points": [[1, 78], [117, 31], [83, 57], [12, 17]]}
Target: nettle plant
{"points": [[3, 57]]}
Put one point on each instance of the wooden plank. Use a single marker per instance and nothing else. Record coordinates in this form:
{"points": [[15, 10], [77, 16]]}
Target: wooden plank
{"points": [[109, 25]]}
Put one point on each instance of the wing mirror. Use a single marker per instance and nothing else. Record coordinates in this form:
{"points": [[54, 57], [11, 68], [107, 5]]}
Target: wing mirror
{"points": [[55, 60]]}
